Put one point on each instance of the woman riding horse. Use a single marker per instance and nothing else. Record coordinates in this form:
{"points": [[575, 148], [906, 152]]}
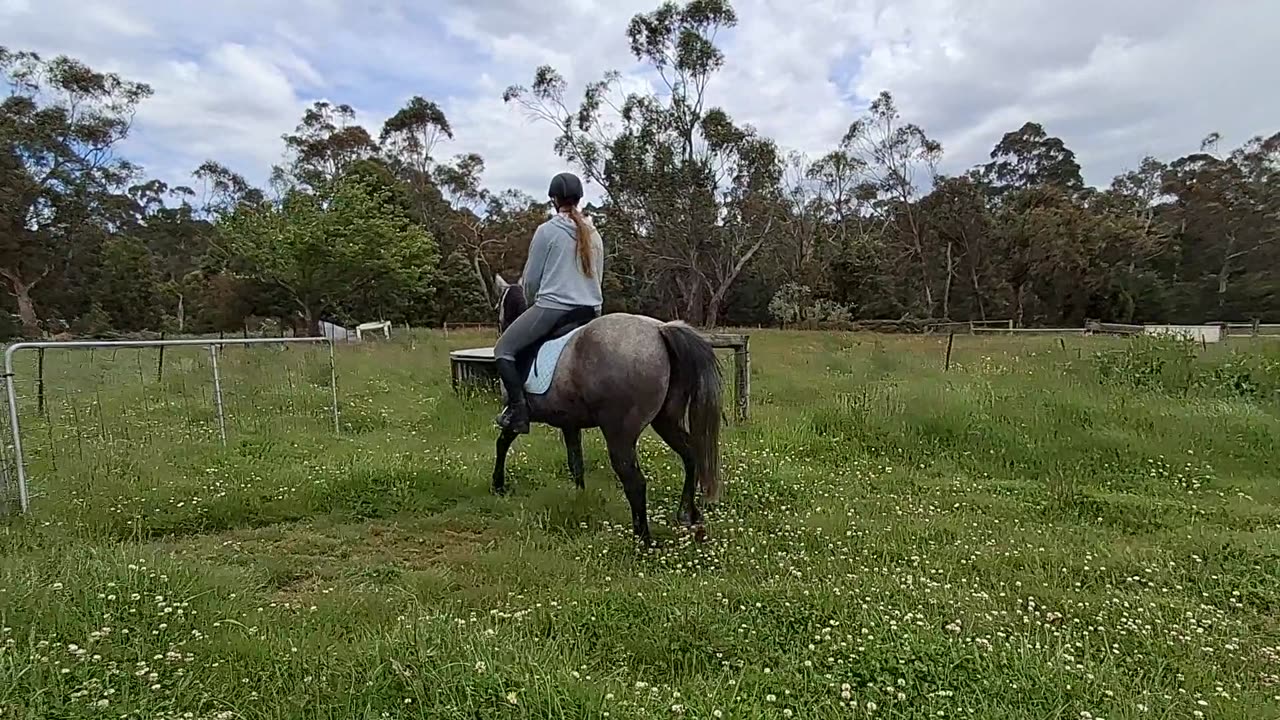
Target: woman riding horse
{"points": [[562, 274]]}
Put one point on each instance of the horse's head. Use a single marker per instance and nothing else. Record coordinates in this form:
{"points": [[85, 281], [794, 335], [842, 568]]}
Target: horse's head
{"points": [[511, 301]]}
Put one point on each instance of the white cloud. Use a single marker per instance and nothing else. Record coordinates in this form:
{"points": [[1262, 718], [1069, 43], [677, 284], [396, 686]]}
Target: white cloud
{"points": [[1114, 80]]}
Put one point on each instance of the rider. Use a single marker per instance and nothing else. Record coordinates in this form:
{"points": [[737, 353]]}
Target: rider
{"points": [[562, 274]]}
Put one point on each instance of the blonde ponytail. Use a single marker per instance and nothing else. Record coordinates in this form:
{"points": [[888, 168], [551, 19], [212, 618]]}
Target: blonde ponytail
{"points": [[584, 240]]}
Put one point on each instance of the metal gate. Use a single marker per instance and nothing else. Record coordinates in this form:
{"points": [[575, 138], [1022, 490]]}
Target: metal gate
{"points": [[13, 470]]}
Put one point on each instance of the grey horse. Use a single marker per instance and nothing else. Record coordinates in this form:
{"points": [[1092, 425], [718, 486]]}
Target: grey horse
{"points": [[622, 373]]}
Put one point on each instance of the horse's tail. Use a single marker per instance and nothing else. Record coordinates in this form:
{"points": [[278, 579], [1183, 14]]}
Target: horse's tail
{"points": [[695, 381]]}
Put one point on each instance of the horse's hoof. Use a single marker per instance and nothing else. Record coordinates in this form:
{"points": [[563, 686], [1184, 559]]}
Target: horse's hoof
{"points": [[697, 530], [500, 491], [687, 521]]}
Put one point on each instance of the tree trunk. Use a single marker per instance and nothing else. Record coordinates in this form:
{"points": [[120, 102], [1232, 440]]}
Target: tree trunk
{"points": [[484, 281], [946, 293], [717, 298], [918, 247], [311, 317], [691, 290], [977, 292], [1224, 273], [928, 290], [182, 314], [21, 292], [713, 310]]}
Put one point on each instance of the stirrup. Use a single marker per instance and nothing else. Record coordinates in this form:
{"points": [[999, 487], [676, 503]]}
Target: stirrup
{"points": [[507, 420]]}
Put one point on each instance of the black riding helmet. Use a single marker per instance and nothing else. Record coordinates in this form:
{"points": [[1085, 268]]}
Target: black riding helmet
{"points": [[565, 187]]}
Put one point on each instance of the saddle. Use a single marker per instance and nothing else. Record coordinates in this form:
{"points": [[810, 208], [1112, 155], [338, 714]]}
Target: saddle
{"points": [[571, 321]]}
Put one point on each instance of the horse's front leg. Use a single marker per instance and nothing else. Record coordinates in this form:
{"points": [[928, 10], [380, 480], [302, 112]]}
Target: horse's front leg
{"points": [[505, 439], [573, 446]]}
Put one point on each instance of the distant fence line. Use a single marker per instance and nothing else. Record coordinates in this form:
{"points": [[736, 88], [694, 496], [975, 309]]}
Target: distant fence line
{"points": [[906, 326], [1208, 332]]}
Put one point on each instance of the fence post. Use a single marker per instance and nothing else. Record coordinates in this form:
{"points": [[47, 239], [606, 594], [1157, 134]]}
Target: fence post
{"points": [[40, 382], [19, 462], [160, 362], [333, 387], [4, 480], [742, 380], [951, 338], [217, 393], [1256, 323]]}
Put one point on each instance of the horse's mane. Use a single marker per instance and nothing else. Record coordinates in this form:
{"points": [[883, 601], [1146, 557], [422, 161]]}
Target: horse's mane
{"points": [[513, 303]]}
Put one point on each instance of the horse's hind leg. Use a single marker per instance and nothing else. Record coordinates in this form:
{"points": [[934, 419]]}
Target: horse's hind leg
{"points": [[573, 446], [622, 455], [505, 439], [668, 428]]}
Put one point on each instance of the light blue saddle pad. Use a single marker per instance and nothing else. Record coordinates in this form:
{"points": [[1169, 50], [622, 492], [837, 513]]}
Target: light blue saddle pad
{"points": [[544, 366]]}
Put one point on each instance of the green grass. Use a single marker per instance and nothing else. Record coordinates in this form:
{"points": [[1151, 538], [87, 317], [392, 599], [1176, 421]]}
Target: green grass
{"points": [[1038, 533]]}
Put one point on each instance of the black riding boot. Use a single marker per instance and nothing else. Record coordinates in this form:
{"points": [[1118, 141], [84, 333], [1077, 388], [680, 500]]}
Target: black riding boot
{"points": [[516, 416]]}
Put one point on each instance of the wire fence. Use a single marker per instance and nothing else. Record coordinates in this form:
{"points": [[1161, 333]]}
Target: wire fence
{"points": [[84, 412]]}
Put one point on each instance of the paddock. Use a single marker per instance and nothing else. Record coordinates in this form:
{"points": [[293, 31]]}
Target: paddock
{"points": [[1096, 513]]}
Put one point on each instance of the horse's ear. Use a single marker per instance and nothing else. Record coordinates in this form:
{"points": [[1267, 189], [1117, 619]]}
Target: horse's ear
{"points": [[499, 283]]}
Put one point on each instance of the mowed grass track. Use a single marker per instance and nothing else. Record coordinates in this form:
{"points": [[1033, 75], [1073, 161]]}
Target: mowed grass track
{"points": [[1010, 539]]}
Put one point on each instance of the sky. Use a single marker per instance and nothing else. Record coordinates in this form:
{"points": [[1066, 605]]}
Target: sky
{"points": [[1116, 79]]}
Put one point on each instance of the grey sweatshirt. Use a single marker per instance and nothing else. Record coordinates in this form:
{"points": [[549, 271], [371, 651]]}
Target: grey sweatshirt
{"points": [[553, 276]]}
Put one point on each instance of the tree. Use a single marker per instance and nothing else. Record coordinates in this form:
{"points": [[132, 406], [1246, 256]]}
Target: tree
{"points": [[672, 168], [510, 219], [956, 219], [224, 189], [409, 139], [177, 244], [461, 185], [411, 135], [59, 127], [1224, 211], [127, 289], [892, 155], [325, 144], [753, 207], [1030, 157], [354, 240]]}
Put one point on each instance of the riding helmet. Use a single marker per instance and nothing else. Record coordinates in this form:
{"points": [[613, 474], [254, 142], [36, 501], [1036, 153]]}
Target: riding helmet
{"points": [[565, 186]]}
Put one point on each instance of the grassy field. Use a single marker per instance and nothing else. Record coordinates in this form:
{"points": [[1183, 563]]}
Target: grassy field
{"points": [[1041, 532]]}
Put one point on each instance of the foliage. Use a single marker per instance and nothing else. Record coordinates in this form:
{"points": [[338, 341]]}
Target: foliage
{"points": [[788, 304], [59, 126], [351, 240], [1254, 375], [794, 305], [1149, 362], [1171, 364], [704, 218]]}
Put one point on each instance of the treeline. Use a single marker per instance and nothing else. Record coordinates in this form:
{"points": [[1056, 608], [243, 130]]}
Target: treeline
{"points": [[704, 219]]}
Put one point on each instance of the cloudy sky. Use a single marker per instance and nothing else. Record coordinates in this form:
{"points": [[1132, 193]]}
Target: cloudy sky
{"points": [[1115, 78]]}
